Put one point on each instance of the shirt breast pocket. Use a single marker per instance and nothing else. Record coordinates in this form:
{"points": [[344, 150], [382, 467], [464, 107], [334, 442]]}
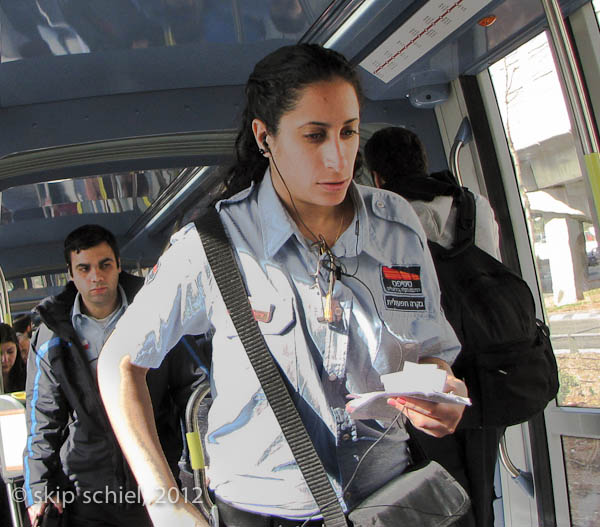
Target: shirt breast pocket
{"points": [[276, 322], [274, 319], [269, 296]]}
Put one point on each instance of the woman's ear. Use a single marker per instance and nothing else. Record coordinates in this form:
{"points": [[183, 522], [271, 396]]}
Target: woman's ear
{"points": [[259, 129], [378, 180]]}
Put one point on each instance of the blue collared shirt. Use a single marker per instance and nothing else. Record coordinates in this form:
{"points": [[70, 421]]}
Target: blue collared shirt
{"points": [[387, 307], [92, 332]]}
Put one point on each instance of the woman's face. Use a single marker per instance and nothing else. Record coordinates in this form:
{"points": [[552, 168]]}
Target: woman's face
{"points": [[316, 145], [9, 355]]}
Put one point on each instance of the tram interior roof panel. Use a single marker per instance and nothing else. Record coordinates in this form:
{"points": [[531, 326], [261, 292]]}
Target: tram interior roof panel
{"points": [[83, 48], [101, 97]]}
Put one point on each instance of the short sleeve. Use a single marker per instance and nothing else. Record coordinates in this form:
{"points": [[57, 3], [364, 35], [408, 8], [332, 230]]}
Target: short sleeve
{"points": [[169, 305]]}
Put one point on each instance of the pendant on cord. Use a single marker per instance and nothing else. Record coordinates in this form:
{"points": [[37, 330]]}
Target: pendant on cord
{"points": [[332, 310]]}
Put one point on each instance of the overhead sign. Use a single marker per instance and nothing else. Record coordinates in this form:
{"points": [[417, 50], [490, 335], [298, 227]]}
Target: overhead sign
{"points": [[429, 26]]}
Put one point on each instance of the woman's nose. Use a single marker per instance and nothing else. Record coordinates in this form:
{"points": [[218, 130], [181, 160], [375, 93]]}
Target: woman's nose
{"points": [[335, 155]]}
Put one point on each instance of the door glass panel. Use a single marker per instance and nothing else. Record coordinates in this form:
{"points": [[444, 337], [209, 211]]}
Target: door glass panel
{"points": [[556, 203], [582, 466]]}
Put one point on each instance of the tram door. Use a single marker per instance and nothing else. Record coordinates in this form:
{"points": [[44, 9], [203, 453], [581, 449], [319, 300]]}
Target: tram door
{"points": [[552, 207]]}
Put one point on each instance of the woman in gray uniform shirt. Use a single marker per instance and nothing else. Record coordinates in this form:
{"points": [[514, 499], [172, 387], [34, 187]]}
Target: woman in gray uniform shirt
{"points": [[294, 216]]}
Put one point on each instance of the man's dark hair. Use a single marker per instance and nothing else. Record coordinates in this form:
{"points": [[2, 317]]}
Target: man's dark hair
{"points": [[395, 153], [88, 236], [21, 323]]}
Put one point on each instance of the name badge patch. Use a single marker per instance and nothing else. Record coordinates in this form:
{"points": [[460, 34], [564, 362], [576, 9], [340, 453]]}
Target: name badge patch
{"points": [[402, 280], [405, 303]]}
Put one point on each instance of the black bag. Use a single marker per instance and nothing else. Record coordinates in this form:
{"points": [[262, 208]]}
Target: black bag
{"points": [[426, 495], [506, 360]]}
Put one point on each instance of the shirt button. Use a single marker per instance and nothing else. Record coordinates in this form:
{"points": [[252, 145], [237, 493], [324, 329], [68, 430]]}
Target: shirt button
{"points": [[380, 204], [332, 377]]}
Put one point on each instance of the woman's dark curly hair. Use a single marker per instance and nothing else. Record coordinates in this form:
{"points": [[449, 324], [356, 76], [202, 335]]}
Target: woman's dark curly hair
{"points": [[272, 90]]}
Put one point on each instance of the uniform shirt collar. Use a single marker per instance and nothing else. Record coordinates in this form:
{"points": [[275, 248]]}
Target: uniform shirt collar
{"points": [[277, 226], [356, 239], [77, 312]]}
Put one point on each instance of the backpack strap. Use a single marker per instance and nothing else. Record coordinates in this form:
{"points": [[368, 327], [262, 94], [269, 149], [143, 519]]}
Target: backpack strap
{"points": [[223, 264], [464, 235]]}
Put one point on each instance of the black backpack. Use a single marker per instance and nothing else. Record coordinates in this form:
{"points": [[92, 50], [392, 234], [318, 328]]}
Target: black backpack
{"points": [[506, 359]]}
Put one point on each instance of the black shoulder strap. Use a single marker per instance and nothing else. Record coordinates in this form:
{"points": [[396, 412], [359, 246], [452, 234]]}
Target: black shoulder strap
{"points": [[464, 234], [229, 279]]}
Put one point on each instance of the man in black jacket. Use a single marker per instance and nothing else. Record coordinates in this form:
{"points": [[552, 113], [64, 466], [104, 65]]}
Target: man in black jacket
{"points": [[72, 457]]}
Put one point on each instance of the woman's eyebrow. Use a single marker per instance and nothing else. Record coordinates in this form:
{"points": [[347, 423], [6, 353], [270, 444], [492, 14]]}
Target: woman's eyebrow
{"points": [[319, 123]]}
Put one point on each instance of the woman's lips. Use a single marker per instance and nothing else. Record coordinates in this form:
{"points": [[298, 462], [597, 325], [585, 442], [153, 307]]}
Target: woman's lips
{"points": [[334, 186]]}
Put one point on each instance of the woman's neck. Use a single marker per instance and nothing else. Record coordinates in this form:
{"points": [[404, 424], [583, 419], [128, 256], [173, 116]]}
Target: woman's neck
{"points": [[329, 223]]}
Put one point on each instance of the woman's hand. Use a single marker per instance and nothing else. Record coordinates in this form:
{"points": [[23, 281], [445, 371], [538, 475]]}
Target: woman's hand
{"points": [[435, 419]]}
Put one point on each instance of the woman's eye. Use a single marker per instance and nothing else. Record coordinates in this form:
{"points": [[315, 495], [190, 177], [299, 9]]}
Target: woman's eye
{"points": [[315, 136], [349, 133]]}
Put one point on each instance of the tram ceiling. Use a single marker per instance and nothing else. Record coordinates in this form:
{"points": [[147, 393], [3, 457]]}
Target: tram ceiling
{"points": [[77, 49], [111, 87], [82, 71]]}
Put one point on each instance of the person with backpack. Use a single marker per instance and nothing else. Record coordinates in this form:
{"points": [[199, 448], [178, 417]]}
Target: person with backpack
{"points": [[397, 160], [506, 358]]}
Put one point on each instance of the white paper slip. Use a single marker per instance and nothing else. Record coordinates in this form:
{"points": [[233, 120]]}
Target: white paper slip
{"points": [[423, 378], [374, 405]]}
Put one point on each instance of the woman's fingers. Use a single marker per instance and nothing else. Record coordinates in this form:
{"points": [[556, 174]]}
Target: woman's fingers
{"points": [[436, 419]]}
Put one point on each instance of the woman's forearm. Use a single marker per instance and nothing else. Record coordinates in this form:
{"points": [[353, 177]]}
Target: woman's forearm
{"points": [[129, 407]]}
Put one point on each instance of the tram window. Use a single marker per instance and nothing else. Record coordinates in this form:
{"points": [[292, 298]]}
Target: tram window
{"points": [[118, 192], [560, 222], [582, 465], [563, 237], [596, 4]]}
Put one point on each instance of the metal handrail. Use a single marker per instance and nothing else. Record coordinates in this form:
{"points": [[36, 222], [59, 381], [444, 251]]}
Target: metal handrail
{"points": [[463, 136], [522, 478], [207, 506]]}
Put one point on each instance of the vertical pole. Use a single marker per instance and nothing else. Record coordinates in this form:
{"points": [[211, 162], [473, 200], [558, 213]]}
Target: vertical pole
{"points": [[15, 511], [572, 76], [582, 114]]}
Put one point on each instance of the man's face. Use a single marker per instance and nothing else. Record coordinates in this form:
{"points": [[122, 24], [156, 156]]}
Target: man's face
{"points": [[95, 272], [24, 342]]}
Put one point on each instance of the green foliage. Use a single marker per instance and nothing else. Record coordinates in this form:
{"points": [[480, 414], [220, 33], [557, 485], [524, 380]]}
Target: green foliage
{"points": [[567, 382]]}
